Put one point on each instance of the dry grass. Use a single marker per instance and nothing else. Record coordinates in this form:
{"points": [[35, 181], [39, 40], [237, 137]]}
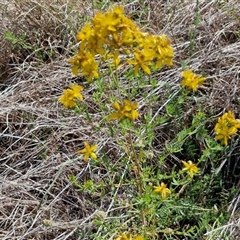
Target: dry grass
{"points": [[39, 139]]}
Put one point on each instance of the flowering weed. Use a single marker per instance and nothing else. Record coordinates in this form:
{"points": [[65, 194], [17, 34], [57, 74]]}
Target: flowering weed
{"points": [[117, 40]]}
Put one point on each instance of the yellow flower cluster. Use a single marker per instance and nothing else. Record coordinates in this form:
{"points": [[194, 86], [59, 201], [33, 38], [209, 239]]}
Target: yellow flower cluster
{"points": [[71, 96], [128, 236], [125, 110], [112, 35], [162, 189], [226, 126], [191, 80]]}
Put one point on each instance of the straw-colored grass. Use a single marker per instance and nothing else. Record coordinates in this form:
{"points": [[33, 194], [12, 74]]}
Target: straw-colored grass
{"points": [[39, 139]]}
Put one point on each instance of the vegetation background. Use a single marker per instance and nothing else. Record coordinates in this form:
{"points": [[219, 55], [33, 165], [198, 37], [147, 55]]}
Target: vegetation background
{"points": [[39, 139]]}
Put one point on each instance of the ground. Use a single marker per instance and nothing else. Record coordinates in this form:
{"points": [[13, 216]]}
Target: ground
{"points": [[39, 139]]}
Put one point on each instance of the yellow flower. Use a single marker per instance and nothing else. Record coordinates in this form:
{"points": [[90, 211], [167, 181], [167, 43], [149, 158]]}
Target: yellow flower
{"points": [[106, 23], [127, 109], [88, 151], [67, 99], [89, 69], [86, 32], [191, 80], [162, 189], [122, 38], [77, 91], [223, 132], [142, 59], [229, 116], [190, 167], [70, 96], [78, 60], [130, 109], [138, 237], [128, 236], [226, 126], [164, 51], [125, 236]]}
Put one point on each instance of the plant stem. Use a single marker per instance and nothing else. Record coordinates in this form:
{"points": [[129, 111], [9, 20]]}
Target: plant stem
{"points": [[137, 171]]}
